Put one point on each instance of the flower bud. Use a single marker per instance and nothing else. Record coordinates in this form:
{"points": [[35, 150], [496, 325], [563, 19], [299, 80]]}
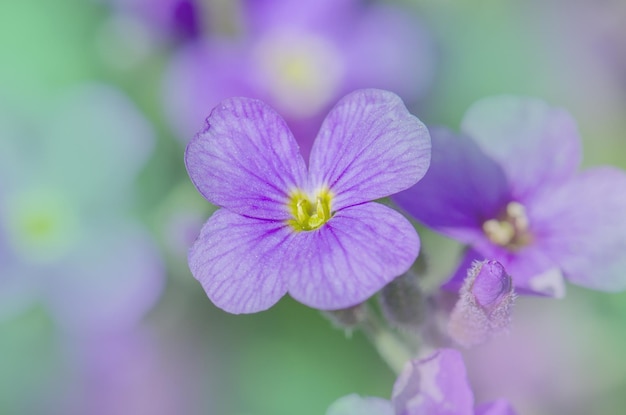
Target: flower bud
{"points": [[402, 302], [484, 305]]}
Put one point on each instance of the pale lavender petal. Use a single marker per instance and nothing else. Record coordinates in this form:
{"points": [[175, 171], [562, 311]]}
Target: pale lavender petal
{"points": [[140, 371], [109, 283], [436, 385], [404, 51], [262, 16], [18, 288], [246, 160], [582, 227], [369, 147], [199, 76], [357, 405], [241, 261], [535, 144], [357, 252], [462, 188], [94, 142], [497, 407]]}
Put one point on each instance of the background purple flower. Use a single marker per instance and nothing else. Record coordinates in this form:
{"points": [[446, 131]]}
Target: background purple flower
{"points": [[180, 19], [435, 385], [67, 238], [311, 233], [508, 186], [300, 57]]}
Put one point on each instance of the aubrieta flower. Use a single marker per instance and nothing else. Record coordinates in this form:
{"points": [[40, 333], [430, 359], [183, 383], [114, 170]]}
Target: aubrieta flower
{"points": [[299, 56], [312, 233], [67, 240], [435, 385], [508, 187]]}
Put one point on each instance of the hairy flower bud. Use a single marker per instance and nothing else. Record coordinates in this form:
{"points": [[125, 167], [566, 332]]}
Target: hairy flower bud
{"points": [[484, 305]]}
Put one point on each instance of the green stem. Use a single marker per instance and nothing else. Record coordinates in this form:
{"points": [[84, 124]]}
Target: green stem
{"points": [[387, 343]]}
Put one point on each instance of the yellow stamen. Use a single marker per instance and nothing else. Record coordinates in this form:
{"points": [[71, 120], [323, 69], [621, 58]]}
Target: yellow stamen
{"points": [[306, 215], [510, 230]]}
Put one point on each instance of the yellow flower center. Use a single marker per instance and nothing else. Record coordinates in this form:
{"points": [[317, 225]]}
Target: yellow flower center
{"points": [[511, 229], [301, 71], [310, 214], [41, 224]]}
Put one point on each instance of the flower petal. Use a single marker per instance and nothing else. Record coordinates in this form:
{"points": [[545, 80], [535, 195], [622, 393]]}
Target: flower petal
{"points": [[240, 261], [94, 142], [535, 144], [582, 227], [351, 257], [199, 76], [110, 282], [436, 385], [462, 188], [321, 15], [497, 407], [18, 288], [369, 147], [356, 405], [404, 50], [246, 160]]}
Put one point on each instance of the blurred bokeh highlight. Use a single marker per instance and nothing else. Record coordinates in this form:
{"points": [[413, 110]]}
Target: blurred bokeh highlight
{"points": [[99, 313]]}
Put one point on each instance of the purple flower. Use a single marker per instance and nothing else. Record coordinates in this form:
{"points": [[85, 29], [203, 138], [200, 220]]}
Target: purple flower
{"points": [[66, 237], [137, 371], [174, 18], [300, 57], [508, 186], [313, 233], [484, 305], [436, 385]]}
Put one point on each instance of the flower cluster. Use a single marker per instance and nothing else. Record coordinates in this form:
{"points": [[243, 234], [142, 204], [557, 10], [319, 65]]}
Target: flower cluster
{"points": [[314, 183], [314, 232]]}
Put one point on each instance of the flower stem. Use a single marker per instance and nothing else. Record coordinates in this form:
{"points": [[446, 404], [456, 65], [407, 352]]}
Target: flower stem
{"points": [[387, 343]]}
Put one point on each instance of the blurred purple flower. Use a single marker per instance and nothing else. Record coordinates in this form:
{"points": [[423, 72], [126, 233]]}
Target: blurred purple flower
{"points": [[167, 18], [436, 385], [137, 372], [66, 238], [300, 57], [508, 187], [315, 233]]}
